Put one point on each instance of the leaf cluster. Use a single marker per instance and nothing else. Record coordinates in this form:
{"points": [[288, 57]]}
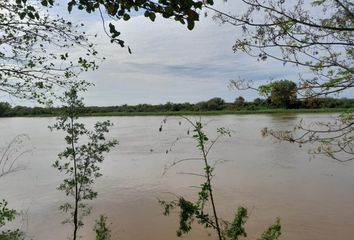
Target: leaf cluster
{"points": [[315, 36], [101, 229], [35, 52], [182, 11], [281, 93], [79, 161], [8, 215], [190, 211]]}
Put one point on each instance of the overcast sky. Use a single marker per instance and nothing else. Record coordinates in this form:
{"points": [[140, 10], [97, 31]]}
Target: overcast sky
{"points": [[171, 63]]}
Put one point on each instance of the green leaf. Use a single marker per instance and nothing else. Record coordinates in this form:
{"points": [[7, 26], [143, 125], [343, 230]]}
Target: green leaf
{"points": [[31, 8], [152, 16], [273, 232], [22, 15], [190, 25], [30, 14], [126, 17], [44, 3]]}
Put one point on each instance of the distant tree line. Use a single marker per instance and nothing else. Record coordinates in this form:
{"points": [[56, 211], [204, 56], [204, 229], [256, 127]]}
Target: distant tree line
{"points": [[213, 104]]}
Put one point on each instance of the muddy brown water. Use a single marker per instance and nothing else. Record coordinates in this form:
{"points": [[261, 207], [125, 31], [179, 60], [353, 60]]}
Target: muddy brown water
{"points": [[313, 198]]}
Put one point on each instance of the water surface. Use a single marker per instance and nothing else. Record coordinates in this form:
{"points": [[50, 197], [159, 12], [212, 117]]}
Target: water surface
{"points": [[314, 199]]}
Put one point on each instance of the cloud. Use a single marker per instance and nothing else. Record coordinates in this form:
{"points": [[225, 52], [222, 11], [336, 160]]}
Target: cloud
{"points": [[171, 63]]}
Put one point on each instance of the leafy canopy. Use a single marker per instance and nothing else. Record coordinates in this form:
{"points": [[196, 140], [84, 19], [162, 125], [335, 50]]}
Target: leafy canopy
{"points": [[35, 50], [316, 36], [183, 11], [281, 93], [80, 161]]}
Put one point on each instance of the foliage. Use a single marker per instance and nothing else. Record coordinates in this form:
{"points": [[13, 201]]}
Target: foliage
{"points": [[35, 50], [273, 232], [236, 229], [12, 235], [190, 211], [36, 47], [8, 215], [259, 102], [80, 161], [182, 11], [258, 105], [281, 93], [102, 230], [8, 159], [4, 108], [239, 102], [212, 104], [333, 139], [316, 36]]}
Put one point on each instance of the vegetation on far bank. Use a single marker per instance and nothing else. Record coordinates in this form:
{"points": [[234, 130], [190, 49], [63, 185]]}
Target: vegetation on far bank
{"points": [[224, 112], [214, 106]]}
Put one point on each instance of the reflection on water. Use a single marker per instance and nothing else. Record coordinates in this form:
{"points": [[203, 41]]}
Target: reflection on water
{"points": [[314, 199]]}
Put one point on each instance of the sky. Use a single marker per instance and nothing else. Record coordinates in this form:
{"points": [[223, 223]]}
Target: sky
{"points": [[172, 64]]}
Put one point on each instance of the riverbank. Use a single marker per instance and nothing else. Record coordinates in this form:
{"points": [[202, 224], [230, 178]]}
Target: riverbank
{"points": [[204, 113], [251, 171]]}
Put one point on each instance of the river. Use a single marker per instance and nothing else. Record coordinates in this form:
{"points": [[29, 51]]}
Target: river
{"points": [[314, 198]]}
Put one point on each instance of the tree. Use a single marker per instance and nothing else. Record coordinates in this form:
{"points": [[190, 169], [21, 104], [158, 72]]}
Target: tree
{"points": [[215, 104], [80, 161], [35, 51], [239, 101], [8, 164], [282, 93], [35, 59], [190, 211], [35, 55], [318, 37], [259, 102], [4, 107]]}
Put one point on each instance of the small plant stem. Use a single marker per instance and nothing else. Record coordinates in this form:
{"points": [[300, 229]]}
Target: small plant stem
{"points": [[75, 179], [207, 167]]}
